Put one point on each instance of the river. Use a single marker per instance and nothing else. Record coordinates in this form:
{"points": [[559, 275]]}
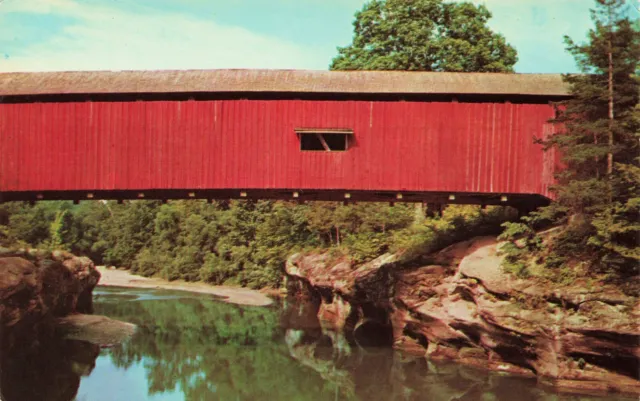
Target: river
{"points": [[194, 347]]}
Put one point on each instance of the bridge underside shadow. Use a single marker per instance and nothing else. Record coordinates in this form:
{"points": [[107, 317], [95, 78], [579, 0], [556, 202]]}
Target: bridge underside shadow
{"points": [[519, 201]]}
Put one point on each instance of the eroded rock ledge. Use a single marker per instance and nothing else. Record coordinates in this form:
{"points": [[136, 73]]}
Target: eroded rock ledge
{"points": [[36, 287], [461, 306]]}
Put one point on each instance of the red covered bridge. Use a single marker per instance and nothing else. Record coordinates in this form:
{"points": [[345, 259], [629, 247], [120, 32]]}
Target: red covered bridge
{"points": [[359, 136]]}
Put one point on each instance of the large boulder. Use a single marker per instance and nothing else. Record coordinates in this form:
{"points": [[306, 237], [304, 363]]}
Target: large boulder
{"points": [[95, 329], [37, 286], [20, 291]]}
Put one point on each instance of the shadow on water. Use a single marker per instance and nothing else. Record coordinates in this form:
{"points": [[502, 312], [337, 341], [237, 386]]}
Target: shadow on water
{"points": [[192, 347], [48, 370]]}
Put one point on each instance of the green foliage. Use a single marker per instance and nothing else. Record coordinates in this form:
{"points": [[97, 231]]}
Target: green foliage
{"points": [[128, 231], [617, 227], [425, 35], [598, 137], [243, 243], [364, 232], [521, 243], [458, 223], [366, 245], [147, 263], [59, 230], [581, 363], [239, 242], [90, 226], [29, 224]]}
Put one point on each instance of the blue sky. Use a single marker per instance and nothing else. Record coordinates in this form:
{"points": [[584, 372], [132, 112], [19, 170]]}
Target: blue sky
{"points": [[58, 35]]}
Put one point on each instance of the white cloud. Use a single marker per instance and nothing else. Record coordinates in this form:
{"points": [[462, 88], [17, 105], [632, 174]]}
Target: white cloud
{"points": [[118, 34], [106, 37]]}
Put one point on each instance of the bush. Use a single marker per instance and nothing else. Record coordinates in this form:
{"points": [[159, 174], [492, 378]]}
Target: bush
{"points": [[366, 245]]}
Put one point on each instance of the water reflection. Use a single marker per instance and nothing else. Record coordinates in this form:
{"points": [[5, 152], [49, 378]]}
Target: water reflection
{"points": [[207, 349], [375, 374], [192, 347], [47, 370]]}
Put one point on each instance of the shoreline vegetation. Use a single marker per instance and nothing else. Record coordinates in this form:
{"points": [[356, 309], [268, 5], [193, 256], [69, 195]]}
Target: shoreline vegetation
{"points": [[111, 277], [236, 243]]}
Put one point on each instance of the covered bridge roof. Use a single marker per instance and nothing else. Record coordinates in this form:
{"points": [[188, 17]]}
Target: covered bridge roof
{"points": [[280, 81]]}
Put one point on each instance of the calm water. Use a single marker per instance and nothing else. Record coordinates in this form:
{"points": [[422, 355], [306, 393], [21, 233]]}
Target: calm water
{"points": [[192, 347]]}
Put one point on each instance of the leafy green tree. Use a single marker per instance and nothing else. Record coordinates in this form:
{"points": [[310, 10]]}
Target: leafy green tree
{"points": [[425, 35], [320, 217], [283, 231], [90, 224], [128, 231], [30, 224]]}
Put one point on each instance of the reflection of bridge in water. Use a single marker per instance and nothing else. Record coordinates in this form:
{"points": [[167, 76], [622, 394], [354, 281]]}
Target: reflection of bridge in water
{"points": [[296, 135]]}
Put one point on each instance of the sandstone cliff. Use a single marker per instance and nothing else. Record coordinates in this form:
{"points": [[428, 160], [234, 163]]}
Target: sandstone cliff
{"points": [[459, 305]]}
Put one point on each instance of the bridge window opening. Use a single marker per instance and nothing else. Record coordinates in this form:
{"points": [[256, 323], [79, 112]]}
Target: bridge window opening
{"points": [[324, 140]]}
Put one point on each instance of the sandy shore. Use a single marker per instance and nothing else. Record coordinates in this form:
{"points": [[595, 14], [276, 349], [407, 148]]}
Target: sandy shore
{"points": [[236, 295]]}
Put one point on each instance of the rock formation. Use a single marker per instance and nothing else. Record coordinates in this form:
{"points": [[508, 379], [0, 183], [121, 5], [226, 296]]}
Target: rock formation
{"points": [[38, 286], [47, 342], [459, 305]]}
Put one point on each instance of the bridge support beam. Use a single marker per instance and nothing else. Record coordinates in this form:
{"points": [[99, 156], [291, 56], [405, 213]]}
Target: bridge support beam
{"points": [[428, 203]]}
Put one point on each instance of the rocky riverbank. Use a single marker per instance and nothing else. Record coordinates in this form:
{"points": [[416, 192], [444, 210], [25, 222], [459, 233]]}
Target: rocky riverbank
{"points": [[46, 293], [459, 305], [47, 338]]}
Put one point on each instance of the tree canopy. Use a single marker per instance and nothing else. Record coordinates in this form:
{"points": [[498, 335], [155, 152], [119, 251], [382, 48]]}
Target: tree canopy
{"points": [[240, 242], [425, 35]]}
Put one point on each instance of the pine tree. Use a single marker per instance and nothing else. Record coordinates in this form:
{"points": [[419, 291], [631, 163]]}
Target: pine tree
{"points": [[597, 192]]}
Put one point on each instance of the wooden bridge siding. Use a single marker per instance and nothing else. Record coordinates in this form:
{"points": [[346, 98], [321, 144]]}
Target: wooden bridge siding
{"points": [[413, 146]]}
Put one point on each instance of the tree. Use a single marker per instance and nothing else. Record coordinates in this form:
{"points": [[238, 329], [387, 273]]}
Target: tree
{"points": [[425, 35], [59, 230], [31, 224], [128, 231], [597, 191]]}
